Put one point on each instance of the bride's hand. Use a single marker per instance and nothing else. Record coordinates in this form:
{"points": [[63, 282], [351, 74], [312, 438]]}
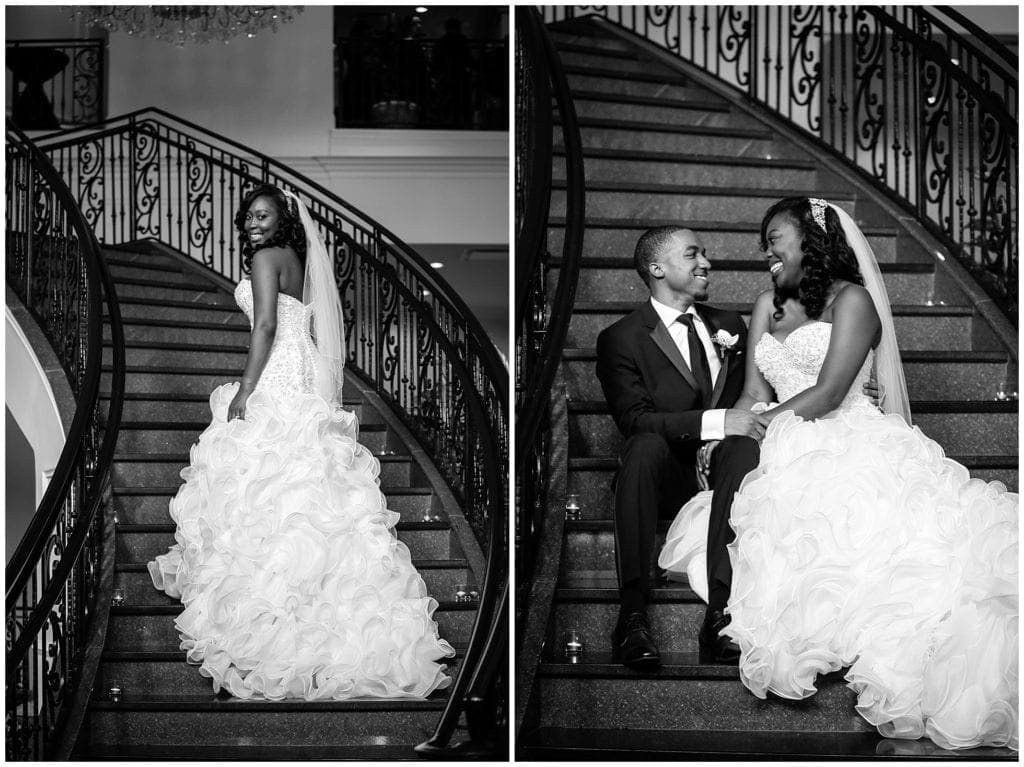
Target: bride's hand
{"points": [[237, 407]]}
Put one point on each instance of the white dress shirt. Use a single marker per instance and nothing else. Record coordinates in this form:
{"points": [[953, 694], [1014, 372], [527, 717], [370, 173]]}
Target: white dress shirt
{"points": [[712, 422]]}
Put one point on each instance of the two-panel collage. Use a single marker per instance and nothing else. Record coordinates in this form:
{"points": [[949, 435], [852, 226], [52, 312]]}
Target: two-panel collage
{"points": [[505, 383]]}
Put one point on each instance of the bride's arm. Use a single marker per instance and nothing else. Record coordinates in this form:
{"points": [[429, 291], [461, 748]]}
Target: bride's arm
{"points": [[855, 327], [265, 279], [755, 388]]}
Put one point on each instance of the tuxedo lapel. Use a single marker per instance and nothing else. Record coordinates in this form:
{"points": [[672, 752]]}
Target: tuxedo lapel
{"points": [[661, 338]]}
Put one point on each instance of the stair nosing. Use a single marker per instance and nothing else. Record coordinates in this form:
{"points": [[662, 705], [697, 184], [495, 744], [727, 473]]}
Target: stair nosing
{"points": [[598, 407], [644, 126], [742, 265], [602, 222], [711, 105], [667, 78], [907, 355], [420, 564], [640, 155], [693, 190]]}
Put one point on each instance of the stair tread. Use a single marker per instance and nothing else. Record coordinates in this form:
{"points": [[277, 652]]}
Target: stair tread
{"points": [[210, 703], [375, 747], [205, 287], [674, 665], [699, 226], [665, 78], [198, 348], [676, 157], [558, 743], [710, 105], [192, 425], [164, 527], [154, 266], [644, 126], [175, 370], [611, 53], [186, 324], [908, 355], [696, 190], [176, 304]]}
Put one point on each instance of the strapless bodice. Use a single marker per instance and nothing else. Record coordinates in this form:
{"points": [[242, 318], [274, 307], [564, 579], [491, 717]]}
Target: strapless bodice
{"points": [[291, 366], [793, 365]]}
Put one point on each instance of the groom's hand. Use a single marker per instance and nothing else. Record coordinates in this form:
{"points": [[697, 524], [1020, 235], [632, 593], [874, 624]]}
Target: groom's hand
{"points": [[743, 423]]}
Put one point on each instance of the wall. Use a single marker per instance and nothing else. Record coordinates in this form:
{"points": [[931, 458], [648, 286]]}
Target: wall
{"points": [[31, 403]]}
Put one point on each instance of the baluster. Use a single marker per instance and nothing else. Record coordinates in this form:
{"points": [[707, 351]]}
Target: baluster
{"points": [[693, 32], [778, 52], [972, 210], [704, 29]]}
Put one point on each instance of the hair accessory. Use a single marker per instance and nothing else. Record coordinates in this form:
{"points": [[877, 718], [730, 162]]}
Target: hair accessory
{"points": [[818, 206], [818, 211]]}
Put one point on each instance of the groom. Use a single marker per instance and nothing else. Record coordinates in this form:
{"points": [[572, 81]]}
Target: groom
{"points": [[671, 372]]}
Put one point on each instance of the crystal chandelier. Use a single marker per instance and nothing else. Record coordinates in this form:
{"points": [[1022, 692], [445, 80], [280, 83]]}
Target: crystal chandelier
{"points": [[180, 24]]}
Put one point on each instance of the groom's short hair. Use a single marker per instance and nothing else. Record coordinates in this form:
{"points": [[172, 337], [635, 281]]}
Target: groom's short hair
{"points": [[649, 247]]}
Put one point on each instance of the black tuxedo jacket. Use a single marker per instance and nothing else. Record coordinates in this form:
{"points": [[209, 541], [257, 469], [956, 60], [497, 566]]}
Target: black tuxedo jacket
{"points": [[649, 387]]}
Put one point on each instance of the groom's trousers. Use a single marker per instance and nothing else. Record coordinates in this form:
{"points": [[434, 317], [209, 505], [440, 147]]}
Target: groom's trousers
{"points": [[653, 482]]}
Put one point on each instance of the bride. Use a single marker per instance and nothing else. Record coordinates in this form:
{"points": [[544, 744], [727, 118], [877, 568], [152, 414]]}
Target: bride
{"points": [[859, 545], [293, 581]]}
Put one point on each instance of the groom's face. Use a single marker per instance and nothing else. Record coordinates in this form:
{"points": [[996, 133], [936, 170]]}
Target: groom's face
{"points": [[682, 267]]}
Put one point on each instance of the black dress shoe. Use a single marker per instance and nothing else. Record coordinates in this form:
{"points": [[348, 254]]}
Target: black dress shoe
{"points": [[713, 647], [632, 644]]}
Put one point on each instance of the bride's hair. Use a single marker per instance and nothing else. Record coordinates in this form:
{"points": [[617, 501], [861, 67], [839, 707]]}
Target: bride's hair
{"points": [[289, 227], [827, 256]]}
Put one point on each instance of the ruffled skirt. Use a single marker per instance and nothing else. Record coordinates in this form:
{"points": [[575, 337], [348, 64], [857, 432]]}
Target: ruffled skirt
{"points": [[293, 580], [859, 545]]}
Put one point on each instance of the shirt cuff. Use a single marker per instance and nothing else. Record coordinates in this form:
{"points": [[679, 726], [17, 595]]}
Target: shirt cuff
{"points": [[712, 425]]}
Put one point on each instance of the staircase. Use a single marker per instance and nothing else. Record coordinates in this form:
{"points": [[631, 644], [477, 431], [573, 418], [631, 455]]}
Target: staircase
{"points": [[184, 336], [663, 146]]}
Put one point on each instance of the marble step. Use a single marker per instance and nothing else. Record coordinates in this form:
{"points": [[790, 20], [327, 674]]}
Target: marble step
{"points": [[691, 168], [975, 428], [139, 406], [582, 80], [196, 355], [171, 274], [709, 112], [585, 57], [687, 203], [148, 504], [733, 281], [723, 240], [179, 436], [206, 720], [683, 695], [604, 134], [918, 329], [183, 328], [567, 744], [590, 39], [151, 627], [227, 313], [365, 748], [162, 380], [441, 576], [154, 673], [196, 289], [141, 543], [590, 479]]}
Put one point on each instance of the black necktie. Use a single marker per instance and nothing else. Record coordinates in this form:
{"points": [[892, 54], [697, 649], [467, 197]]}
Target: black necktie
{"points": [[698, 359]]}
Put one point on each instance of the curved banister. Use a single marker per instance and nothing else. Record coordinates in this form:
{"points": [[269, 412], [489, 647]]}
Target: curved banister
{"points": [[52, 582], [540, 378], [150, 174]]}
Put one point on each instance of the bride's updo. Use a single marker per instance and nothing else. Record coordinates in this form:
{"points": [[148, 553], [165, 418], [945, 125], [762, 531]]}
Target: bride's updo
{"points": [[289, 229], [827, 256]]}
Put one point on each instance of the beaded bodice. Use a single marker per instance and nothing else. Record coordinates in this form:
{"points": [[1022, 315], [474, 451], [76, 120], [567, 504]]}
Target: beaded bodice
{"points": [[290, 368], [791, 366]]}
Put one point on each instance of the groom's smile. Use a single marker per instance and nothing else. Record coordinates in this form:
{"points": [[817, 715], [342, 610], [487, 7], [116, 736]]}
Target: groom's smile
{"points": [[682, 271]]}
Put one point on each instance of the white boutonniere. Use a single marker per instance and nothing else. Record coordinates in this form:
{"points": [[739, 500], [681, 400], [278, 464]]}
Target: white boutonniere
{"points": [[724, 341]]}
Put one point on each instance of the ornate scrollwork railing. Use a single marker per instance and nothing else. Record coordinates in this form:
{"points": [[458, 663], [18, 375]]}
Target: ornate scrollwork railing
{"points": [[74, 95], [540, 334], [916, 106], [150, 174], [53, 265]]}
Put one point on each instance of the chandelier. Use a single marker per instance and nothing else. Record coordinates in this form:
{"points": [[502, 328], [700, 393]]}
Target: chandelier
{"points": [[180, 24]]}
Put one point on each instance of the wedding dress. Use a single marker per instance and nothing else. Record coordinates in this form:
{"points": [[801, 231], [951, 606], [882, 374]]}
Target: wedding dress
{"points": [[293, 581], [860, 545]]}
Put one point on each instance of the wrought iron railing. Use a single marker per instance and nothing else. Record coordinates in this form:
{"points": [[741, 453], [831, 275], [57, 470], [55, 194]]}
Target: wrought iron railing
{"points": [[540, 335], [53, 265], [920, 110], [150, 174], [457, 84], [57, 82]]}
